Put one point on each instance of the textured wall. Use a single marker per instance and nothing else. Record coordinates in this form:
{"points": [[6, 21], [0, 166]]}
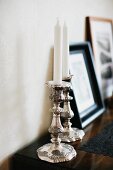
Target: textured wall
{"points": [[26, 50]]}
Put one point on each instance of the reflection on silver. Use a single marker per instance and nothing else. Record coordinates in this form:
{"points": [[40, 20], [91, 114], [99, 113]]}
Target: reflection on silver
{"points": [[56, 151], [69, 134]]}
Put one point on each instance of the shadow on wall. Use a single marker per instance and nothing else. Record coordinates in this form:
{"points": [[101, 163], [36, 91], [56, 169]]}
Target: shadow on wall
{"points": [[11, 96], [22, 102], [47, 115], [18, 97]]}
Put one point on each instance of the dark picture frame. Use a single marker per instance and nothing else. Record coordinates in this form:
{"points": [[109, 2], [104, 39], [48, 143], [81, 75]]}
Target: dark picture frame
{"points": [[87, 103], [99, 31]]}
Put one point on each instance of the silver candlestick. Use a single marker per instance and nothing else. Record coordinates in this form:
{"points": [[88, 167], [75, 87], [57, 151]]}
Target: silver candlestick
{"points": [[70, 134], [56, 151]]}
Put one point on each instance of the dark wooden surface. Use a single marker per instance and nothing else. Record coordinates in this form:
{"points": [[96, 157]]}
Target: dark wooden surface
{"points": [[27, 157]]}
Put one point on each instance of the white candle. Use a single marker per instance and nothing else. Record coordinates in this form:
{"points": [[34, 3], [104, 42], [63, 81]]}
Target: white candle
{"points": [[57, 75], [65, 53]]}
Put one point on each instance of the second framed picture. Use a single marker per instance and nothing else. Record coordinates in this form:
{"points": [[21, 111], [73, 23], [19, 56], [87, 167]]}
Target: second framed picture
{"points": [[87, 102], [99, 32]]}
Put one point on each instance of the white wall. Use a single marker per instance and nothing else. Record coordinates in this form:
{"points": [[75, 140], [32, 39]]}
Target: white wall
{"points": [[26, 42]]}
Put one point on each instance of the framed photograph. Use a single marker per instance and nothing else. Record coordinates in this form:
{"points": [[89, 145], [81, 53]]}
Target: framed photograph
{"points": [[87, 102], [100, 34]]}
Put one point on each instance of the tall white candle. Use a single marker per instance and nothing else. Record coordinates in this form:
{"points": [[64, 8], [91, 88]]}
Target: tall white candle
{"points": [[57, 75], [65, 53]]}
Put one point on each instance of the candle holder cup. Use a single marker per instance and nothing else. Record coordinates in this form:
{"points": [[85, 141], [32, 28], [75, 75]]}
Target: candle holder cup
{"points": [[56, 151], [69, 134]]}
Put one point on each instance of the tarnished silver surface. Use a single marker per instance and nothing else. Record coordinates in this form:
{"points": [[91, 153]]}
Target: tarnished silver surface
{"points": [[51, 153], [70, 134], [56, 151]]}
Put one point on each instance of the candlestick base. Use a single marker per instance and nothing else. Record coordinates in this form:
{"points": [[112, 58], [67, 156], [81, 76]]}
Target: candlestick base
{"points": [[50, 153], [71, 135]]}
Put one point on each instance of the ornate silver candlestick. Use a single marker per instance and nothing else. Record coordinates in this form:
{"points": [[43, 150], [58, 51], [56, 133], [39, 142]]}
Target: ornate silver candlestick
{"points": [[56, 151], [70, 134]]}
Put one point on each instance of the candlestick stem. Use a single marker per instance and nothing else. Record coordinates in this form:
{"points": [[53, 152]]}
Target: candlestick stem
{"points": [[56, 151], [70, 134]]}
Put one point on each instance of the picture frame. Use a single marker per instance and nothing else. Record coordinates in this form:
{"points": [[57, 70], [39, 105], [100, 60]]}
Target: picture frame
{"points": [[87, 102], [99, 31]]}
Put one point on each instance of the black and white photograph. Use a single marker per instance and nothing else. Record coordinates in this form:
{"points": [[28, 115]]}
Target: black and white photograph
{"points": [[87, 102], [102, 43], [83, 92]]}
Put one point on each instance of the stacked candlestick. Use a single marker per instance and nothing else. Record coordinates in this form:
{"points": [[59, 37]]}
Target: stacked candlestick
{"points": [[61, 72], [56, 151]]}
